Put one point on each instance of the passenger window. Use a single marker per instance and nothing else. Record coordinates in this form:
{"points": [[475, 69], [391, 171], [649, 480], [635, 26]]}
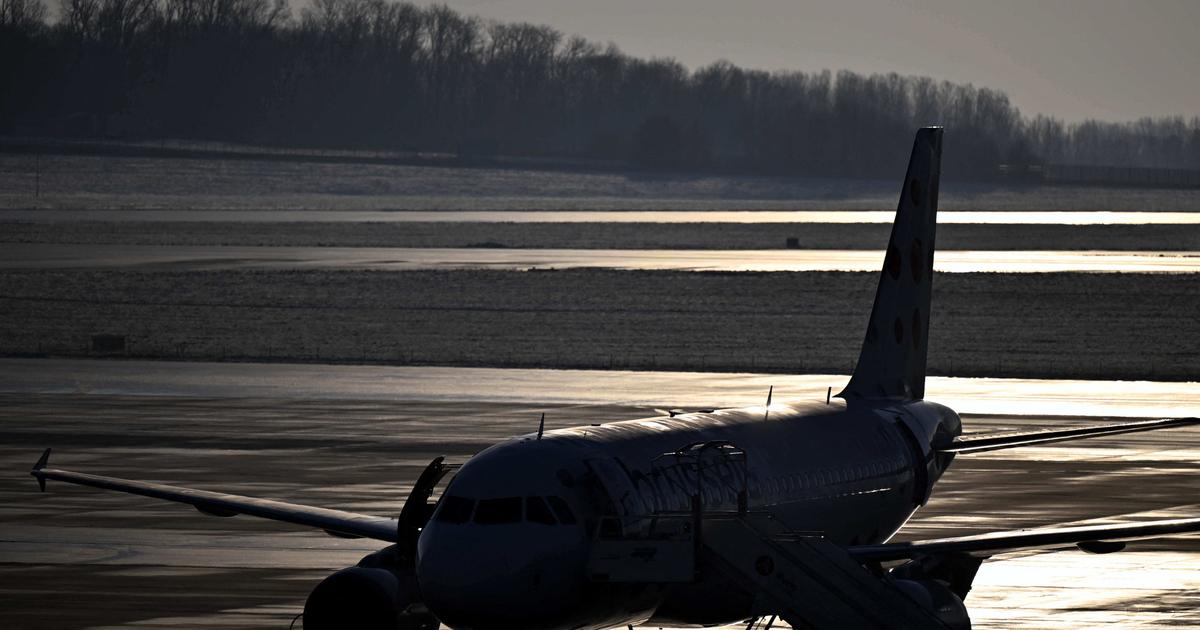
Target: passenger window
{"points": [[537, 512], [562, 510], [455, 510], [497, 511]]}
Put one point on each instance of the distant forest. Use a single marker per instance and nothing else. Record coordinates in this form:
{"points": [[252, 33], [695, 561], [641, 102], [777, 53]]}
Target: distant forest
{"points": [[373, 74]]}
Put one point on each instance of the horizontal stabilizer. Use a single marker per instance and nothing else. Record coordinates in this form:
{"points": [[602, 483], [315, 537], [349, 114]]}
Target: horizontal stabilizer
{"points": [[1092, 538], [970, 444]]}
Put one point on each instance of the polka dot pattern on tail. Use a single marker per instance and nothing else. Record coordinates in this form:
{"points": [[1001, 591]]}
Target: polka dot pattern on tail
{"points": [[892, 261], [917, 261]]}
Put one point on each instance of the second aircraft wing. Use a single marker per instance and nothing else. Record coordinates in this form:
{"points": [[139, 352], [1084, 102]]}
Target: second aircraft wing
{"points": [[1091, 538]]}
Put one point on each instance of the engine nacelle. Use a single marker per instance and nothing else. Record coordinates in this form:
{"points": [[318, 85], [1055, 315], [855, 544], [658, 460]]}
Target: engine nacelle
{"points": [[938, 598], [378, 594]]}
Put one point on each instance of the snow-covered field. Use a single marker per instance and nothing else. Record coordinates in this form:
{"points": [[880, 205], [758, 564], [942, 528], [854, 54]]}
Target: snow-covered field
{"points": [[1043, 325], [608, 235], [89, 182], [1112, 326]]}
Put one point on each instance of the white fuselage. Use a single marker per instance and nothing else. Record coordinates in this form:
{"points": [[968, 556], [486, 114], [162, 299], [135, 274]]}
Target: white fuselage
{"points": [[491, 558]]}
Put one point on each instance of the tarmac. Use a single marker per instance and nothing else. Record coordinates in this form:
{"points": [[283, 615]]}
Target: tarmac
{"points": [[1003, 217], [355, 437], [25, 256]]}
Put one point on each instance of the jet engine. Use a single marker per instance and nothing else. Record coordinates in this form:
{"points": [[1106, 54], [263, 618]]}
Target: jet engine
{"points": [[940, 583], [937, 597], [381, 593]]}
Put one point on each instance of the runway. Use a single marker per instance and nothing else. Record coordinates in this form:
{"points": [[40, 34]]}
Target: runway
{"points": [[163, 258], [1002, 217], [617, 388], [354, 437]]}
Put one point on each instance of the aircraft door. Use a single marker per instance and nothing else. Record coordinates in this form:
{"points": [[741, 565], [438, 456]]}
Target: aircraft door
{"points": [[621, 505]]}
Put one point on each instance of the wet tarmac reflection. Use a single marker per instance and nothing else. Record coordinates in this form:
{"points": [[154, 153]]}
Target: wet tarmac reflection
{"points": [[355, 438], [171, 258]]}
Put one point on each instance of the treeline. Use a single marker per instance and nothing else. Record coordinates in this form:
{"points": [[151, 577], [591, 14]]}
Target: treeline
{"points": [[374, 74]]}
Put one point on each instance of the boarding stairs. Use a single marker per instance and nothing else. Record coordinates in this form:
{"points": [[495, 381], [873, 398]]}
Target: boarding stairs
{"points": [[806, 579], [801, 577]]}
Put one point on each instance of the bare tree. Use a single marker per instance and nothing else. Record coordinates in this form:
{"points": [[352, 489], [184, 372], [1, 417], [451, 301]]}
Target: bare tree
{"points": [[225, 14], [81, 18], [384, 74], [25, 15]]}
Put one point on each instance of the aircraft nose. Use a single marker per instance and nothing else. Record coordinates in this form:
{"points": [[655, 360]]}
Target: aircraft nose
{"points": [[477, 577]]}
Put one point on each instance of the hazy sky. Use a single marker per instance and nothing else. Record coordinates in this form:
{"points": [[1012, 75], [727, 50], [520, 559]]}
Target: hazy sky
{"points": [[1072, 59]]}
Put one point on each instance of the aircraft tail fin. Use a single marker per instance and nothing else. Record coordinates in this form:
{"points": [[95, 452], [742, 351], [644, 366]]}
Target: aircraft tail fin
{"points": [[892, 361]]}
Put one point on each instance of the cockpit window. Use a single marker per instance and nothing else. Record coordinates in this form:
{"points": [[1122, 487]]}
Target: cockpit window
{"points": [[497, 511], [537, 512], [562, 510], [455, 510]]}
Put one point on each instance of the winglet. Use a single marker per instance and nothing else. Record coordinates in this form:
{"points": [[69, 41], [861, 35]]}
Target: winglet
{"points": [[37, 469]]}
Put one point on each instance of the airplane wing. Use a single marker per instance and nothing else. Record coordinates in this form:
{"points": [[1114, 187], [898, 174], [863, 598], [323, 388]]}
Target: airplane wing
{"points": [[1090, 538], [335, 522], [979, 444]]}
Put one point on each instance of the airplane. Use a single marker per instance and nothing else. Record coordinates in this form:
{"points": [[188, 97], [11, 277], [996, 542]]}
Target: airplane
{"points": [[701, 518]]}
